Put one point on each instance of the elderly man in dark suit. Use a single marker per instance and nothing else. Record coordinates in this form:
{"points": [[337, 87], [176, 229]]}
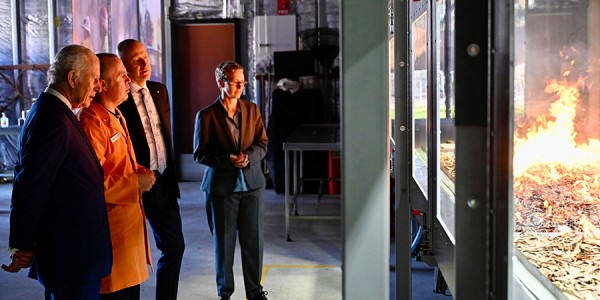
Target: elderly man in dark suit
{"points": [[230, 141], [58, 220], [147, 112]]}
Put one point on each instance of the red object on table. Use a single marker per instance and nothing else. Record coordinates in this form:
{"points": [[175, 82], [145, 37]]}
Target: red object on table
{"points": [[334, 172], [283, 7]]}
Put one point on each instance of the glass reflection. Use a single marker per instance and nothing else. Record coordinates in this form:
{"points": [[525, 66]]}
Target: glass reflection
{"points": [[34, 46], [445, 122], [419, 100]]}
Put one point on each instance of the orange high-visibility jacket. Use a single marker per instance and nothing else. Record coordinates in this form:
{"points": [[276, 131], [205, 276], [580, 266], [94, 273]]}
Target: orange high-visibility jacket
{"points": [[128, 228]]}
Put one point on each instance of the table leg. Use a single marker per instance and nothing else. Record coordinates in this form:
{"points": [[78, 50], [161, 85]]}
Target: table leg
{"points": [[301, 168], [287, 193], [297, 183]]}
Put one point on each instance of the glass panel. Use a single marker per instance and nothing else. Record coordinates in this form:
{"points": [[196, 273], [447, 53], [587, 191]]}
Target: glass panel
{"points": [[122, 25], [392, 109], [35, 48], [151, 35], [419, 100], [391, 85], [445, 94], [90, 24], [8, 143], [64, 19], [556, 150], [6, 34], [6, 50]]}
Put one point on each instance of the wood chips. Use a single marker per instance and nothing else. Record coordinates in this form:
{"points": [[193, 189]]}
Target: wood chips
{"points": [[557, 214], [547, 198], [567, 260], [447, 163]]}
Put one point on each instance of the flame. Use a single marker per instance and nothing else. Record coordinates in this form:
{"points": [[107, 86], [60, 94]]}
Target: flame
{"points": [[552, 142], [556, 181]]}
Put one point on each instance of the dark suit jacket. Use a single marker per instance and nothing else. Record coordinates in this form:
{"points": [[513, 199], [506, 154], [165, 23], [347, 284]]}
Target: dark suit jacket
{"points": [[213, 144], [160, 97], [58, 208]]}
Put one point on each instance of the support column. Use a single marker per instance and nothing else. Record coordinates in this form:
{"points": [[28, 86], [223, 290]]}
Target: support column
{"points": [[365, 143]]}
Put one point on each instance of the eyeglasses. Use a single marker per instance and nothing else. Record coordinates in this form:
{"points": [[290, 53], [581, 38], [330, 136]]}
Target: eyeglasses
{"points": [[236, 83]]}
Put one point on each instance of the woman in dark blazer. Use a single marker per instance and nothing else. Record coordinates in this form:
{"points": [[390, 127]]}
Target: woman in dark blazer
{"points": [[230, 141]]}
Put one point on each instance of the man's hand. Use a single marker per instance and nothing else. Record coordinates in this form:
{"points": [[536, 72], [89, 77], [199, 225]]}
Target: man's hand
{"points": [[240, 160], [145, 181], [19, 260]]}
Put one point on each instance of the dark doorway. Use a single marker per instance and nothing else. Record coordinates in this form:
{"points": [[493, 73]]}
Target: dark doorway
{"points": [[198, 48]]}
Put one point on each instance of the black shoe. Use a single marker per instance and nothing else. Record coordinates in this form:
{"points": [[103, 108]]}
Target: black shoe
{"points": [[224, 297], [260, 296]]}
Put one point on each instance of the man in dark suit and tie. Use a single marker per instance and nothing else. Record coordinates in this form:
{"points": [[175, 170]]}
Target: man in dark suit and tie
{"points": [[147, 112], [230, 141], [58, 220]]}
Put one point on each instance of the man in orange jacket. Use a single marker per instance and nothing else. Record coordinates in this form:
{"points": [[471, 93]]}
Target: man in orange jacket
{"points": [[124, 181]]}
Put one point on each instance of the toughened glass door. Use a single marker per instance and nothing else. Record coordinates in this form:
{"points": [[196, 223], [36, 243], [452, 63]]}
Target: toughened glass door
{"points": [[419, 89], [556, 149], [446, 134]]}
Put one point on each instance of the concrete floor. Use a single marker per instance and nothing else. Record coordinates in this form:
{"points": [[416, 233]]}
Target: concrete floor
{"points": [[306, 268]]}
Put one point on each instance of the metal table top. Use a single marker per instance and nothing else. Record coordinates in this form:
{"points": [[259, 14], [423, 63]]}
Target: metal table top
{"points": [[321, 137], [13, 129]]}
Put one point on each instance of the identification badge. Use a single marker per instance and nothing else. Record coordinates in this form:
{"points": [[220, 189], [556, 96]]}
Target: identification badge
{"points": [[115, 137]]}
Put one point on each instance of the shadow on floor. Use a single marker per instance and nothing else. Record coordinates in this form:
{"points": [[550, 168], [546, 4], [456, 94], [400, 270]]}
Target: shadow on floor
{"points": [[307, 268]]}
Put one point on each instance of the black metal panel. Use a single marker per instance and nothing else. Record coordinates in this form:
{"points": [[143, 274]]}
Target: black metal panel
{"points": [[402, 133], [432, 138], [472, 153], [471, 38]]}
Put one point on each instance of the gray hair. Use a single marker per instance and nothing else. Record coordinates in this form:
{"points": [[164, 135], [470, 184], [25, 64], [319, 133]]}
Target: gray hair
{"points": [[225, 68], [71, 57]]}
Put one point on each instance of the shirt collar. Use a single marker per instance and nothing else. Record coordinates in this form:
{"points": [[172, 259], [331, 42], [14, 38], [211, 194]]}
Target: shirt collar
{"points": [[58, 95], [134, 87]]}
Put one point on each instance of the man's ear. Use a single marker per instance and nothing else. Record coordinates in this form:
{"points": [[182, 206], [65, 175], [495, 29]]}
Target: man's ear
{"points": [[71, 78], [102, 84]]}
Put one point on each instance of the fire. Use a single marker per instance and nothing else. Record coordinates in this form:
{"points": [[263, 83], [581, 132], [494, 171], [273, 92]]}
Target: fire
{"points": [[556, 179], [552, 142], [557, 189]]}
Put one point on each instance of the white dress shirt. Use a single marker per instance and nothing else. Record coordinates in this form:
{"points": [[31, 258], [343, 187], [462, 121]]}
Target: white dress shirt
{"points": [[146, 119]]}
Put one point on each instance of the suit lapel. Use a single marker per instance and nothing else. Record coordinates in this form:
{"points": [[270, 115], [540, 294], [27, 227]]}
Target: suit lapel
{"points": [[75, 122], [243, 124], [162, 108], [131, 113]]}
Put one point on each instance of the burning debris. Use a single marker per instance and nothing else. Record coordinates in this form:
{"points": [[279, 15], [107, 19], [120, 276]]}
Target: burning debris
{"points": [[556, 180], [557, 194], [547, 197]]}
